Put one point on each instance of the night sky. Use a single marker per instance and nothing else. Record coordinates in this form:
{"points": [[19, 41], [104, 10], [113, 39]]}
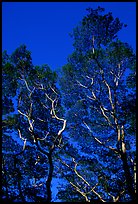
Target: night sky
{"points": [[45, 26]]}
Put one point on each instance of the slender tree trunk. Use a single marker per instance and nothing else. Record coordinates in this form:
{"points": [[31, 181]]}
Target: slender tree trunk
{"points": [[49, 179], [129, 179], [122, 150], [51, 168]]}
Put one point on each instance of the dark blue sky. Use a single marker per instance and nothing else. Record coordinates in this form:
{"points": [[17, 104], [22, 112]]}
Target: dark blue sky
{"points": [[45, 26]]}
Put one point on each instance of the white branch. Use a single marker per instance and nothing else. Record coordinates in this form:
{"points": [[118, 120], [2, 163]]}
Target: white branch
{"points": [[102, 143], [26, 84], [106, 117], [23, 114], [20, 135], [91, 98], [91, 79], [53, 90], [82, 193], [55, 116], [75, 170], [109, 94], [43, 137], [81, 84]]}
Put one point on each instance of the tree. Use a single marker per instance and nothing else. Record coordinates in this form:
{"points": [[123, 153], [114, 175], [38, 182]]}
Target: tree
{"points": [[99, 103], [33, 118]]}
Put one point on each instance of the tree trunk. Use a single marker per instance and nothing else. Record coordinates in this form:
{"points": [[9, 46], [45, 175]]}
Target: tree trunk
{"points": [[122, 150], [129, 179], [49, 180]]}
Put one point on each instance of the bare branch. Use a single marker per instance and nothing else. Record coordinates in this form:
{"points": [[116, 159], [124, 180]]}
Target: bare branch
{"points": [[101, 143], [93, 44], [81, 84], [75, 187], [91, 98], [81, 177], [41, 120], [109, 94], [55, 116], [78, 190], [22, 139], [53, 90], [91, 79], [26, 84], [105, 116], [75, 170], [23, 114], [65, 163], [43, 137]]}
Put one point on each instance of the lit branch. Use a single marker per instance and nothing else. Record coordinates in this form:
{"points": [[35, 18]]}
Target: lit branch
{"points": [[94, 95], [92, 188], [107, 85], [115, 199], [65, 164], [53, 90], [75, 170], [23, 114], [91, 79], [20, 135], [98, 195], [26, 84], [44, 105], [91, 98], [106, 117], [43, 137], [109, 94], [38, 159], [31, 92], [102, 143], [93, 44], [22, 139], [76, 187], [31, 124], [30, 111], [81, 84], [41, 120], [78, 190], [55, 116]]}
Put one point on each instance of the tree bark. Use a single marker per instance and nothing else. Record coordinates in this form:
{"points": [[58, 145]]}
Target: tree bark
{"points": [[49, 179], [121, 146], [129, 179]]}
